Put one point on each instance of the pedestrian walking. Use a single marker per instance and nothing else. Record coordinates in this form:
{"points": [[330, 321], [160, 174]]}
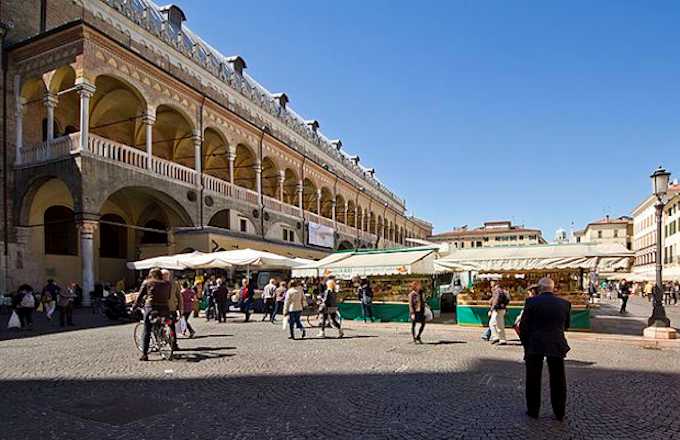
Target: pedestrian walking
{"points": [[365, 295], [246, 298], [221, 296], [649, 290], [329, 309], [269, 298], [416, 306], [498, 304], [188, 300], [49, 297], [624, 293], [293, 305], [542, 327], [675, 290], [280, 297], [65, 301], [175, 304]]}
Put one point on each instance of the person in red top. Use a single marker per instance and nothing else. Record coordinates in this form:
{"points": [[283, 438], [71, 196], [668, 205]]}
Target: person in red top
{"points": [[246, 298], [188, 298]]}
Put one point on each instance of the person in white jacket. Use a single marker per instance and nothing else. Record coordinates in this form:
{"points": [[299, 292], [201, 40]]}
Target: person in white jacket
{"points": [[292, 308]]}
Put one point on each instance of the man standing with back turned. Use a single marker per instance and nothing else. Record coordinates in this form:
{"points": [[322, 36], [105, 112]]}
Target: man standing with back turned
{"points": [[541, 329]]}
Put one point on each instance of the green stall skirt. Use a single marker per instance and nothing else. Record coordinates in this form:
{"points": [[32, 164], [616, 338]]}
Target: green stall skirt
{"points": [[383, 312], [476, 316]]}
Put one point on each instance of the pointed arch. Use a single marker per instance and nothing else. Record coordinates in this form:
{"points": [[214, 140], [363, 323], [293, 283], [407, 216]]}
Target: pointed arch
{"points": [[244, 167], [290, 187], [215, 150], [270, 178], [173, 136], [309, 196]]}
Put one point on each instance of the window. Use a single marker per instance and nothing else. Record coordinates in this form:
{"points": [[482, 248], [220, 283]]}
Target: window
{"points": [[616, 232], [479, 244], [599, 234], [243, 224], [61, 236], [521, 237]]}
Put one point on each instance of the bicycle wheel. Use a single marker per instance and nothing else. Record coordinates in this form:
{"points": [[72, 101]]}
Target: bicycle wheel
{"points": [[165, 343], [138, 336]]}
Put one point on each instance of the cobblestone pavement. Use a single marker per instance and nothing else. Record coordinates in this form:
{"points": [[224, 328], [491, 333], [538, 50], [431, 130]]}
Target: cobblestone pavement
{"points": [[247, 381], [607, 319]]}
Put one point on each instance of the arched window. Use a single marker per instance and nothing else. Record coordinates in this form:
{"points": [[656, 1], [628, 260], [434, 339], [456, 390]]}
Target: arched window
{"points": [[220, 219], [155, 237], [61, 236], [112, 237]]}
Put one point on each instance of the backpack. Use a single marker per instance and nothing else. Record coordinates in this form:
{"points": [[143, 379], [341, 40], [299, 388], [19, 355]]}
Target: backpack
{"points": [[28, 301], [503, 300]]}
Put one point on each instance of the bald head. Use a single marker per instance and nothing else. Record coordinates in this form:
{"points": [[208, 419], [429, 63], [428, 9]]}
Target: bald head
{"points": [[545, 284]]}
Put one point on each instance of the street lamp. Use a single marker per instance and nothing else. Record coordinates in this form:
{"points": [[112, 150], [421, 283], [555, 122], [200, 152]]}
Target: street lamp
{"points": [[660, 179]]}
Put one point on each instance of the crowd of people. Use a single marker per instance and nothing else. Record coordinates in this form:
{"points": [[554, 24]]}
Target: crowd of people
{"points": [[50, 300]]}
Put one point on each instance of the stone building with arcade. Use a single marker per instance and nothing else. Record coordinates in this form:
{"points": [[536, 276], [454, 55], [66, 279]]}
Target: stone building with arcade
{"points": [[126, 136]]}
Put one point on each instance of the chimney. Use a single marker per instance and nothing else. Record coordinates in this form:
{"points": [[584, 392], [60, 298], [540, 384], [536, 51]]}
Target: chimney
{"points": [[237, 63], [281, 98], [313, 124], [355, 160], [173, 15], [607, 218], [337, 143]]}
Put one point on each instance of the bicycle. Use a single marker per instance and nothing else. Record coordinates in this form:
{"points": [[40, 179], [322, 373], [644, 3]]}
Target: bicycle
{"points": [[162, 339]]}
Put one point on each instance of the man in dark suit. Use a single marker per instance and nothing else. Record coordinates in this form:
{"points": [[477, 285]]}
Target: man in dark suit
{"points": [[541, 329]]}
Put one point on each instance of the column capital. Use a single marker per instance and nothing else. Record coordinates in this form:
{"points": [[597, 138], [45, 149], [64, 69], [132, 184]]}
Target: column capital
{"points": [[21, 105], [85, 88], [87, 228], [50, 100], [257, 166], [149, 117], [282, 176], [196, 137]]}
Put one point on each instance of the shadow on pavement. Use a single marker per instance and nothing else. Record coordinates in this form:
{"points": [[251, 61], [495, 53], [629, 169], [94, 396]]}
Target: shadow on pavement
{"points": [[445, 343], [462, 404]]}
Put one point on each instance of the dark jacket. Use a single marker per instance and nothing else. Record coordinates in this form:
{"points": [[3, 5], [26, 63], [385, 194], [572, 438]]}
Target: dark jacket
{"points": [[544, 320], [221, 294], [155, 293], [365, 294], [329, 299]]}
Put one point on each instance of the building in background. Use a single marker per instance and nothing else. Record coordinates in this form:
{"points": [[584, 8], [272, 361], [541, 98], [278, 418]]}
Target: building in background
{"points": [[608, 230], [128, 136], [644, 231], [491, 234]]}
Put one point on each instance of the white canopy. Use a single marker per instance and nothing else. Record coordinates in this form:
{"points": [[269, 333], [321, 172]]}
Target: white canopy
{"points": [[215, 260], [345, 265], [600, 257]]}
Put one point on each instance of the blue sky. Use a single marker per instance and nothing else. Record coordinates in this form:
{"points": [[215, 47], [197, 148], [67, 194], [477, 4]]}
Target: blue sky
{"points": [[545, 113]]}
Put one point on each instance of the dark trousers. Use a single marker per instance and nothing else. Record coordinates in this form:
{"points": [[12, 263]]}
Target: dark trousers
{"points": [[624, 302], [66, 314], [418, 318], [558, 384], [186, 319], [333, 320], [294, 321], [222, 308], [269, 305], [147, 330], [367, 311], [278, 305], [245, 308], [25, 316]]}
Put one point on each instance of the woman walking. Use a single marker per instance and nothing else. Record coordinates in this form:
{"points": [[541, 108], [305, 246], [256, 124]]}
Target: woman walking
{"points": [[329, 309], [416, 305], [188, 298], [246, 298], [292, 308]]}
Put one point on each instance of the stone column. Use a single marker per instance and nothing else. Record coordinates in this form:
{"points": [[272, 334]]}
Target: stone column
{"points": [[50, 102], [333, 207], [19, 118], [301, 189], [86, 90], [231, 157], [149, 119], [258, 180], [356, 217], [318, 202], [282, 180], [197, 155], [87, 228]]}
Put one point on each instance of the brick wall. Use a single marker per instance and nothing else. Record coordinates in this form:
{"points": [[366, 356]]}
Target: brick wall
{"points": [[24, 15]]}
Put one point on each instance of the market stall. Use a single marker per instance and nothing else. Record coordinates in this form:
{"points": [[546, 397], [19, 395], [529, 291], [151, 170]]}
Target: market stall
{"points": [[515, 268], [389, 271]]}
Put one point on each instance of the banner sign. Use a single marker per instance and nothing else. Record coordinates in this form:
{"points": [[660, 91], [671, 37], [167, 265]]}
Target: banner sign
{"points": [[320, 235]]}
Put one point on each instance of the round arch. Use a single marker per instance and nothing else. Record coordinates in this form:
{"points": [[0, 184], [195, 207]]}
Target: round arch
{"points": [[215, 151], [345, 246], [351, 214], [244, 167], [290, 187], [221, 219], [173, 136], [340, 209], [326, 202], [309, 196], [33, 91], [371, 223], [116, 111], [270, 178]]}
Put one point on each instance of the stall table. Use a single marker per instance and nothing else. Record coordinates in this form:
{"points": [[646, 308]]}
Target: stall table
{"points": [[476, 315]]}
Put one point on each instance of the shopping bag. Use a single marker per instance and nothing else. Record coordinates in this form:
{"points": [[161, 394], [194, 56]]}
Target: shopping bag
{"points": [[14, 321], [428, 314], [182, 325], [40, 308], [50, 309], [284, 323]]}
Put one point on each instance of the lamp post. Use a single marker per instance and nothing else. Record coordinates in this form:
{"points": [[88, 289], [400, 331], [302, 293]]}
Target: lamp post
{"points": [[660, 179]]}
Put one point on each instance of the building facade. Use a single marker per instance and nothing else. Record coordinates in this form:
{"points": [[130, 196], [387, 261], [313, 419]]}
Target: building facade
{"points": [[491, 234], [608, 230], [127, 136], [645, 231]]}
